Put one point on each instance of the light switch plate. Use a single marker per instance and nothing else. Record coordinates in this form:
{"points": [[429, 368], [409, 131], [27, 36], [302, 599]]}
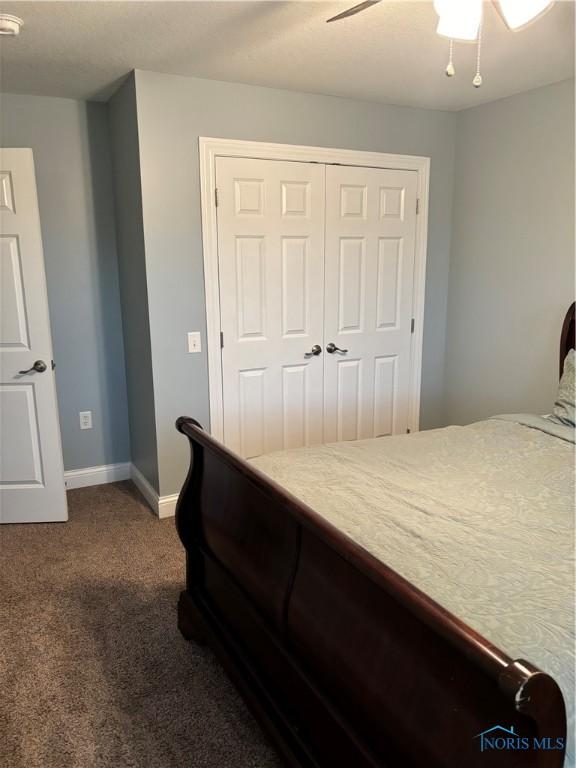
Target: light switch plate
{"points": [[194, 342], [85, 419]]}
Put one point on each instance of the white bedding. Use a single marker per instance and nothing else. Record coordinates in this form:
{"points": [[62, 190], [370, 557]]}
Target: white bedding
{"points": [[481, 518]]}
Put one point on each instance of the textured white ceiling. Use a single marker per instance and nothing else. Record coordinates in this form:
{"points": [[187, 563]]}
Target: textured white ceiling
{"points": [[390, 53]]}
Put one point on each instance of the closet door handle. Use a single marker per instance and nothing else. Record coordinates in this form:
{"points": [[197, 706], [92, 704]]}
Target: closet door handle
{"points": [[316, 350], [39, 366], [333, 348]]}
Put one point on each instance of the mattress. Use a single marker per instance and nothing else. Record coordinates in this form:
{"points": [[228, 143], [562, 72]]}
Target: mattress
{"points": [[481, 518]]}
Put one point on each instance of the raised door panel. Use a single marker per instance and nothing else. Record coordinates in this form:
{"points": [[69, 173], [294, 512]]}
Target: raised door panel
{"points": [[295, 410], [295, 198], [251, 411], [385, 395], [251, 287], [349, 403], [351, 284], [295, 286], [249, 197], [391, 202], [7, 192], [271, 266], [13, 324], [389, 282], [21, 465], [353, 201]]}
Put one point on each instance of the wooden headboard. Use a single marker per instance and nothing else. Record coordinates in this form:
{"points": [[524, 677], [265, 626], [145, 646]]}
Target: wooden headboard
{"points": [[568, 337]]}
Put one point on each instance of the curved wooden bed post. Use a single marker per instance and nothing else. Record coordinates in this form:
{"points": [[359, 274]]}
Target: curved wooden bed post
{"points": [[568, 335], [343, 661]]}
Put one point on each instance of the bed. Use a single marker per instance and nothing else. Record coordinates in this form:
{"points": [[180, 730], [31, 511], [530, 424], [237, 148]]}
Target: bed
{"points": [[353, 642]]}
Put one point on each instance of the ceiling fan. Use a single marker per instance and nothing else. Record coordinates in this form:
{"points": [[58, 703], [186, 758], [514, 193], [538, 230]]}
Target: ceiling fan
{"points": [[462, 20]]}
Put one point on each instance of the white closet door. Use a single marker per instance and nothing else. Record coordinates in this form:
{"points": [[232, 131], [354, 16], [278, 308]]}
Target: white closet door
{"points": [[271, 262], [370, 244]]}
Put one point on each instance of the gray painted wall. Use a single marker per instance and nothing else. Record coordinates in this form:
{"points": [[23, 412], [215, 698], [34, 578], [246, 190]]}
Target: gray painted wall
{"points": [[71, 153], [512, 256], [133, 280], [511, 267], [172, 113]]}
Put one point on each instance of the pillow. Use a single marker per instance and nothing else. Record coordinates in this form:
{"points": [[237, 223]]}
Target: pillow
{"points": [[564, 407]]}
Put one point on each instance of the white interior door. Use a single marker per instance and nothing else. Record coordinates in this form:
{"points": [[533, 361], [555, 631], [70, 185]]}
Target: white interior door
{"points": [[370, 249], [271, 265], [31, 471]]}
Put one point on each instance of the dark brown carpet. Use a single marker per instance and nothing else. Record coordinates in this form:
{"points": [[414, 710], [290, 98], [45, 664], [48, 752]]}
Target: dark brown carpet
{"points": [[93, 671]]}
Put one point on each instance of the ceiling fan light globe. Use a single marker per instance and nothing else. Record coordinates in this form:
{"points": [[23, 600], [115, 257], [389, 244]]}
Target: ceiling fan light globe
{"points": [[459, 19], [518, 13], [454, 30], [10, 25]]}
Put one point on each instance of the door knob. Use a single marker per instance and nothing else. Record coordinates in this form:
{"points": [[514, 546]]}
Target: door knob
{"points": [[316, 350], [39, 367], [333, 348]]}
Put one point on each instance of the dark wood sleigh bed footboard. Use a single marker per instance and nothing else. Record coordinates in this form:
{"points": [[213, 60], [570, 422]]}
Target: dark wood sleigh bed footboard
{"points": [[343, 661]]}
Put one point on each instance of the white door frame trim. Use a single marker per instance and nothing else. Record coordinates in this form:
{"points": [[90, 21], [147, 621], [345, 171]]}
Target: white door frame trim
{"points": [[209, 150]]}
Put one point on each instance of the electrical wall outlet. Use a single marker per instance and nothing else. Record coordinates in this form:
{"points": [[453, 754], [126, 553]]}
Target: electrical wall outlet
{"points": [[85, 419], [194, 343]]}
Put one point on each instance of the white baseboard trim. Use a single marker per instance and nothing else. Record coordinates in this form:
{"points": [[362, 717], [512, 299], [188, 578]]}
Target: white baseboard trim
{"points": [[162, 506], [107, 473], [167, 505]]}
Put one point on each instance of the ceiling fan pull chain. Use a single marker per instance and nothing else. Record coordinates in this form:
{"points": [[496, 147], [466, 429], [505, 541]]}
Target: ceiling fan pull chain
{"points": [[477, 82], [450, 71]]}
